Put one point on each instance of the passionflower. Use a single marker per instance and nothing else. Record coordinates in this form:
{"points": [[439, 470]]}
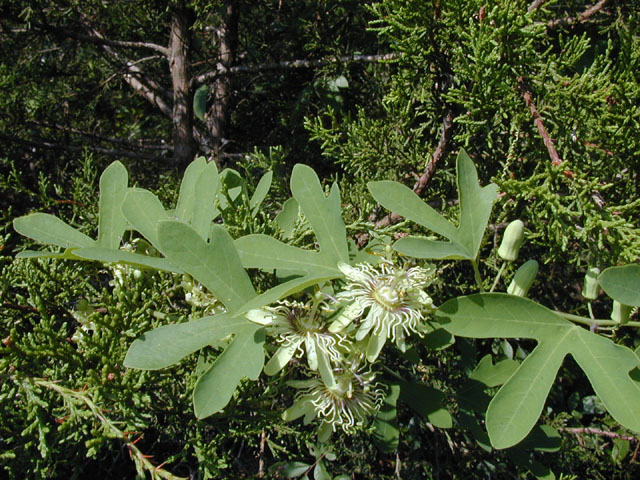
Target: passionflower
{"points": [[296, 325], [387, 301], [350, 402]]}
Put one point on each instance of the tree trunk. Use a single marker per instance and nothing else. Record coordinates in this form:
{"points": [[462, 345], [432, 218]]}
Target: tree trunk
{"points": [[184, 147], [217, 117]]}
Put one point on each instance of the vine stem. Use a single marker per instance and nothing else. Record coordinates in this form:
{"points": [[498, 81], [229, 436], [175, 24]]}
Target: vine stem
{"points": [[392, 373], [495, 282], [476, 274], [594, 321]]}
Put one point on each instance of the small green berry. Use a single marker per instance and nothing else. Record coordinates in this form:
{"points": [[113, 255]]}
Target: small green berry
{"points": [[511, 241]]}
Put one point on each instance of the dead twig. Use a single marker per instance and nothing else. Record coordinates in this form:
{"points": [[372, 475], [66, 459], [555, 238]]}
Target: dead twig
{"points": [[421, 183], [537, 119], [535, 5], [221, 70], [582, 17], [263, 440], [601, 433]]}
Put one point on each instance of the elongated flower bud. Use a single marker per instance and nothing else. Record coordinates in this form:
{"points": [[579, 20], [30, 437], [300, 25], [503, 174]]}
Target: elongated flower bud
{"points": [[590, 288], [523, 279], [620, 312], [511, 241]]}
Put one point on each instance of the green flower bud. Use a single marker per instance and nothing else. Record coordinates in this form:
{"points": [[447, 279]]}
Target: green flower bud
{"points": [[523, 279], [620, 312], [590, 287], [511, 241]]}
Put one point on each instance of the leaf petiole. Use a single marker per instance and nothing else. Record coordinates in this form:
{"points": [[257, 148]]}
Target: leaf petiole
{"points": [[594, 321], [476, 274], [497, 279]]}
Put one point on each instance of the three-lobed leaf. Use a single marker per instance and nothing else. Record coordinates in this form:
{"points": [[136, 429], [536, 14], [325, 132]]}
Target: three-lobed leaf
{"points": [[465, 240], [51, 230], [386, 432], [518, 404], [324, 215]]}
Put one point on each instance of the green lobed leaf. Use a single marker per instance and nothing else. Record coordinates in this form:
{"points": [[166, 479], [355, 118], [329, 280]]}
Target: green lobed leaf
{"points": [[426, 401], [198, 191], [386, 432], [524, 459], [286, 218], [216, 264], [291, 469], [143, 211], [544, 438], [465, 240], [106, 255], [111, 222], [622, 284], [168, 344], [320, 471], [516, 407], [324, 215], [493, 375], [476, 203], [45, 228], [260, 193], [243, 358], [67, 254]]}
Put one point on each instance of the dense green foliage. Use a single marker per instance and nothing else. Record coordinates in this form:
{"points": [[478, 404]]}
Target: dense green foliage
{"points": [[492, 78]]}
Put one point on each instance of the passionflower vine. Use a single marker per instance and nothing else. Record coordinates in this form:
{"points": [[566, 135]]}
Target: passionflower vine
{"points": [[388, 301], [296, 325], [350, 402]]}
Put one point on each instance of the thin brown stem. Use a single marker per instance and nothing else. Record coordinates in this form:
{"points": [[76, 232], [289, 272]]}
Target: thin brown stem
{"points": [[99, 40], [263, 441], [600, 433], [582, 17], [75, 149], [421, 183], [535, 5], [537, 119], [221, 70]]}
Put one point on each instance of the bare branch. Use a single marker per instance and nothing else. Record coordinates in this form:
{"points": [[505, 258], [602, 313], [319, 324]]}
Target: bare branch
{"points": [[418, 188], [92, 136], [535, 5], [600, 433], [101, 40], [135, 76], [582, 17], [75, 149], [147, 89], [537, 119], [288, 64]]}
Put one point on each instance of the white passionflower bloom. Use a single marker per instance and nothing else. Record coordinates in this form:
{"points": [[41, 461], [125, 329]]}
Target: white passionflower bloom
{"points": [[350, 402], [388, 301], [296, 325]]}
